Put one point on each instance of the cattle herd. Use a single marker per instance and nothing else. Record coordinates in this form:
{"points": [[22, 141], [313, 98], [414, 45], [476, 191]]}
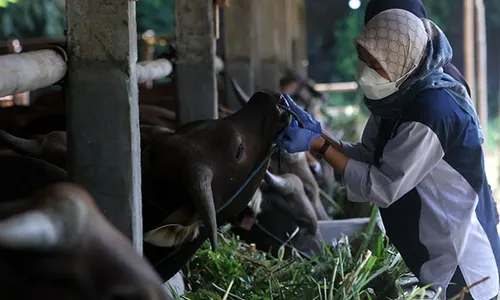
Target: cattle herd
{"points": [[195, 178]]}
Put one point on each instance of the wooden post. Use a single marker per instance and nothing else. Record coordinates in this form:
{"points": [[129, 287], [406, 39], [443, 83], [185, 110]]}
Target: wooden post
{"points": [[267, 76], [240, 36], [299, 42], [282, 33], [195, 68], [14, 46], [482, 66], [148, 39], [288, 31], [102, 109], [469, 53]]}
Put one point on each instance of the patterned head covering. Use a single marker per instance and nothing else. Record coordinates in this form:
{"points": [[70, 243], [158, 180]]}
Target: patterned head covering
{"points": [[397, 39]]}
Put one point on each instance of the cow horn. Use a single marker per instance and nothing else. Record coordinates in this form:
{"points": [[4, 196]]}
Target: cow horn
{"points": [[240, 94], [18, 144], [204, 201], [31, 230], [282, 185]]}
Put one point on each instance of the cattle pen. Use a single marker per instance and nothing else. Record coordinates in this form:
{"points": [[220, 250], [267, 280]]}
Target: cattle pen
{"points": [[96, 62], [220, 53]]}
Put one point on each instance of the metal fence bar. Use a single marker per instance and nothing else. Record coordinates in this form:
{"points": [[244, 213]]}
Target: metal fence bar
{"points": [[30, 70]]}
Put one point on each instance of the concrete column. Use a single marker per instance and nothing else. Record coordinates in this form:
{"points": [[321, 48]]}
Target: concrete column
{"points": [[195, 69], [102, 111], [240, 49]]}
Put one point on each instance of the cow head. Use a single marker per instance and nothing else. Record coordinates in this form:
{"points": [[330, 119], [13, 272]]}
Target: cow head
{"points": [[296, 163], [56, 243], [189, 175], [280, 208]]}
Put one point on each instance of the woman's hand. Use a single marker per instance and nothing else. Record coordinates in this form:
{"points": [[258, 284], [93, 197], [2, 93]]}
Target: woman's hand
{"points": [[309, 122], [295, 139]]}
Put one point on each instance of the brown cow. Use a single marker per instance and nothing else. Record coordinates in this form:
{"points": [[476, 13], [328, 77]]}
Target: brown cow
{"points": [[297, 164], [51, 147], [55, 243], [191, 173], [207, 163], [204, 157], [277, 210]]}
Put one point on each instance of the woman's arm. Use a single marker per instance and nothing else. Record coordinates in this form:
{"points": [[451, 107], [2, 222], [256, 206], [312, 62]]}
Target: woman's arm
{"points": [[363, 150], [333, 155], [406, 160]]}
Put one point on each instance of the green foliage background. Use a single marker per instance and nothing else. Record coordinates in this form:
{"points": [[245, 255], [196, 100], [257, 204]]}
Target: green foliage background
{"points": [[447, 14], [37, 18]]}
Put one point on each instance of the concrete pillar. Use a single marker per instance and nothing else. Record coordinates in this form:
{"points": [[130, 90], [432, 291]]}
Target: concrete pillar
{"points": [[195, 68], [268, 73], [240, 47], [102, 111]]}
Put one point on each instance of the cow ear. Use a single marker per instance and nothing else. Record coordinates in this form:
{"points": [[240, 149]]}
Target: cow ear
{"points": [[172, 235], [179, 227], [32, 230]]}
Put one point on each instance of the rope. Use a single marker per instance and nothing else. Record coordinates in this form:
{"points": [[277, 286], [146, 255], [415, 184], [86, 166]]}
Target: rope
{"points": [[249, 179]]}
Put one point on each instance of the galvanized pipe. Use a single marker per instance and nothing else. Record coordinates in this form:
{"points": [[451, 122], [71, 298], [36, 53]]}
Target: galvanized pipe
{"points": [[31, 70], [150, 70]]}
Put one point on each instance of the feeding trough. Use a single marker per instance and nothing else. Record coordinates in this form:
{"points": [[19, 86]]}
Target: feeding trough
{"points": [[331, 230]]}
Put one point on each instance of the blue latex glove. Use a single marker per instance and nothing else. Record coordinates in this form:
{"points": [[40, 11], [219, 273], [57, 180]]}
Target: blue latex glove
{"points": [[309, 122], [295, 139]]}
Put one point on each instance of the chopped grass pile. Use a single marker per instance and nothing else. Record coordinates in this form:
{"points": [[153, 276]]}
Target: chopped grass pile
{"points": [[368, 267], [344, 270]]}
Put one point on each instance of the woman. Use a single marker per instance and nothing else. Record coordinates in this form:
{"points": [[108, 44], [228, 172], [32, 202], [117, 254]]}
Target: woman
{"points": [[419, 159], [417, 8]]}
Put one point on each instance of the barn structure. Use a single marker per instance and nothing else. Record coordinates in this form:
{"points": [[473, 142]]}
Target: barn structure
{"points": [[96, 62]]}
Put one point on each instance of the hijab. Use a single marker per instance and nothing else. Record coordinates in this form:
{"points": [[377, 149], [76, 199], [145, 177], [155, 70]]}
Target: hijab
{"points": [[414, 60], [397, 39]]}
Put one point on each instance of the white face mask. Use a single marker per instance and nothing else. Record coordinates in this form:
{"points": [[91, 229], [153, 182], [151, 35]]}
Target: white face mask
{"points": [[374, 86]]}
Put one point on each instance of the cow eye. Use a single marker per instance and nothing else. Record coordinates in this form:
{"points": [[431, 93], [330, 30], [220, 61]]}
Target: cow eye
{"points": [[239, 152]]}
